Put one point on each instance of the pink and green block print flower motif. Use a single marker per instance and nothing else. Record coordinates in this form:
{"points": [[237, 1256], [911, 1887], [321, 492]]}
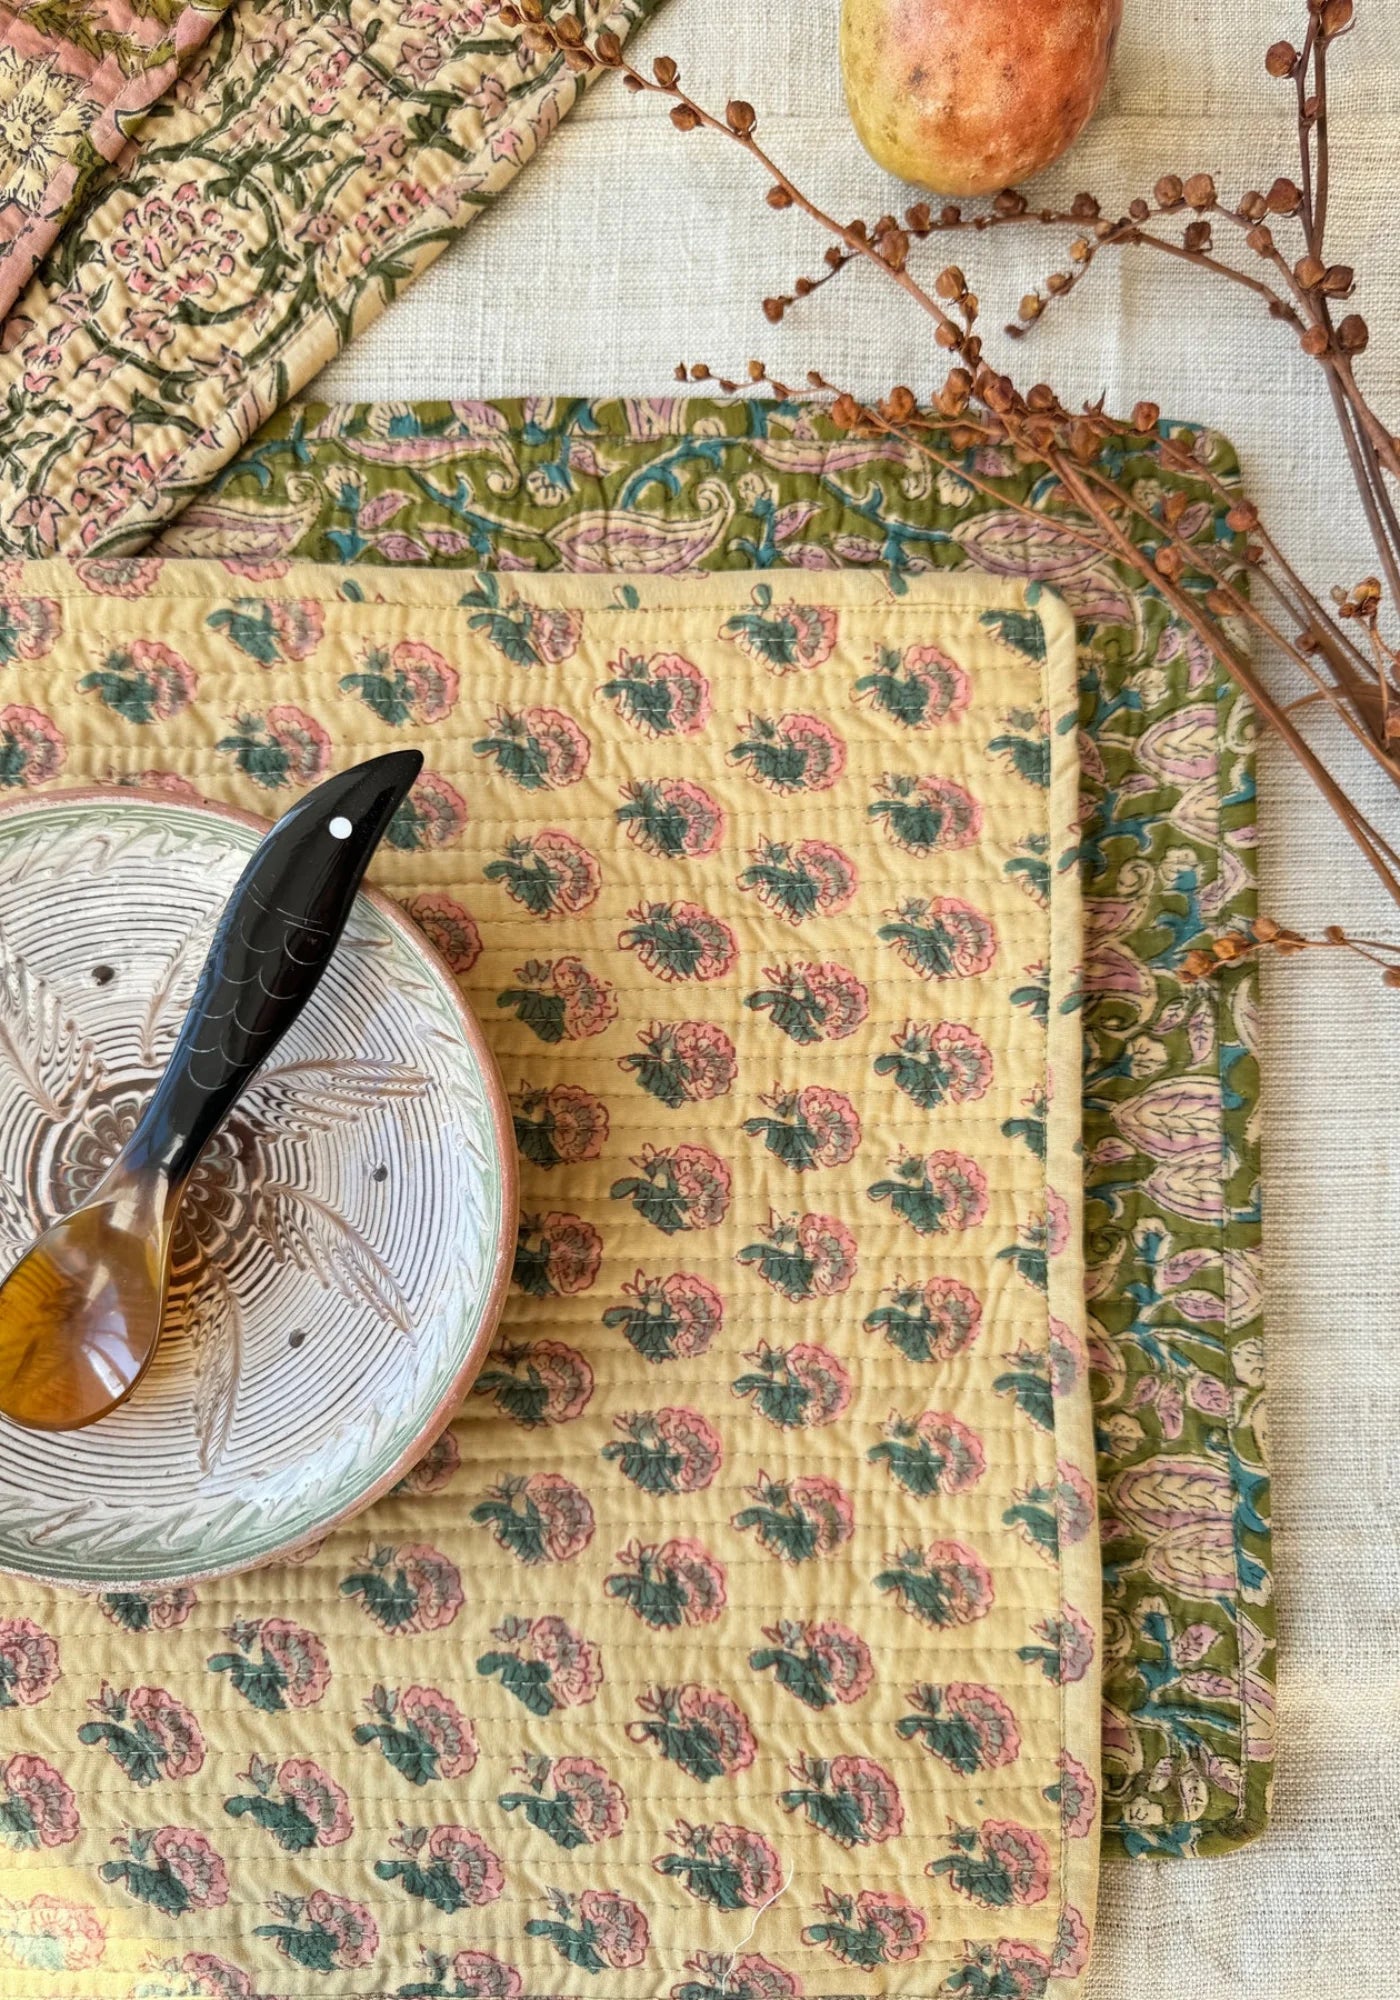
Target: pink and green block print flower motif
{"points": [[37, 1805], [421, 1732], [322, 1932], [544, 1663], [274, 1664], [996, 1864], [300, 1805], [728, 1867], [571, 1799], [173, 1868], [669, 1584], [149, 1733], [451, 1867], [598, 1930], [820, 1663], [967, 1726], [853, 1800]]}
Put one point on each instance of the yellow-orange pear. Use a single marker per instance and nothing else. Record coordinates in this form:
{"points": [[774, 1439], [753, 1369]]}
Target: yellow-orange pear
{"points": [[967, 96]]}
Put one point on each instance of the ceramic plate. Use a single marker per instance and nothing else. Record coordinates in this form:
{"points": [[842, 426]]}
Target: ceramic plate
{"points": [[344, 1242]]}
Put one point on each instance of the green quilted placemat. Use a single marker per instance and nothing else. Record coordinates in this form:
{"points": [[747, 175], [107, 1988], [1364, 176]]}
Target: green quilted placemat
{"points": [[1171, 1079]]}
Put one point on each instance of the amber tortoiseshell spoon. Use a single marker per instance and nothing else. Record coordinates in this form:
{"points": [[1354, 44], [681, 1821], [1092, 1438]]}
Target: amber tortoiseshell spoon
{"points": [[80, 1313]]}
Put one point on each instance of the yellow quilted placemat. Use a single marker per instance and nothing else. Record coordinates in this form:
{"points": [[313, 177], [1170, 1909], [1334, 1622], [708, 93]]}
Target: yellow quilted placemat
{"points": [[741, 1639]]}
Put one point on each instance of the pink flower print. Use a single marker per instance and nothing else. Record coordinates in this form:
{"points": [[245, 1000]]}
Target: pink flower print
{"points": [[965, 1725], [214, 1976], [671, 818], [538, 749], [925, 815], [940, 937], [550, 874], [797, 1519], [477, 1972], [790, 753], [795, 1387], [938, 1063], [450, 1867], [542, 1518], [37, 1806], [1076, 1795], [619, 1928], [669, 1584], [820, 1664], [946, 1583], [853, 1799], [561, 1126], [29, 1665], [999, 1864], [666, 1451], [663, 695], [414, 1588], [1067, 1651], [421, 1732], [811, 1002], [449, 928], [176, 251], [409, 682], [556, 1254], [803, 1257], [32, 747], [934, 1452], [798, 880], [917, 687], [749, 1976], [808, 1128], [29, 627], [174, 1868], [729, 1867], [50, 1934], [936, 1194], [785, 638], [872, 1928], [537, 1382], [679, 941], [433, 815], [120, 576], [1072, 1942], [150, 1733], [682, 1062], [701, 1729], [931, 1321], [435, 1469], [674, 1316], [322, 1929], [677, 1188], [319, 1799]]}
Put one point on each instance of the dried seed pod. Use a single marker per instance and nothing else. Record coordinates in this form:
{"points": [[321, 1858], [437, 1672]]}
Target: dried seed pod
{"points": [[1253, 205], [1339, 281], [1031, 306], [919, 218], [1242, 517], [1261, 238], [1310, 273], [1281, 59], [1138, 209], [607, 47], [1315, 341], [778, 197], [950, 283], [1169, 191], [1084, 208], [684, 117], [1199, 191], [773, 310], [1336, 17], [1169, 562], [894, 248], [740, 117], [666, 72], [900, 405], [1196, 236], [1285, 197], [1146, 417], [1353, 335]]}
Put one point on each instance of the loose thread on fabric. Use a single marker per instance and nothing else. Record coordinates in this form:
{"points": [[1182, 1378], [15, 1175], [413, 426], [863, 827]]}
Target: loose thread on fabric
{"points": [[747, 1939]]}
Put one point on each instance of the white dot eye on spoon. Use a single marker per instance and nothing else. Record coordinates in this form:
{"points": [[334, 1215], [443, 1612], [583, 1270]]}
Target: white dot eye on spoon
{"points": [[340, 828]]}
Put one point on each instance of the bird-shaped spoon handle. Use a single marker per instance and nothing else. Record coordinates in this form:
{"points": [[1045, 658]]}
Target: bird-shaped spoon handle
{"points": [[274, 940]]}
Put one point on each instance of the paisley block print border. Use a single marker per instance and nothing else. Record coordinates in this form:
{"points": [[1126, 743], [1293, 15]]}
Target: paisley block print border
{"points": [[313, 159], [1171, 1094], [723, 1644]]}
